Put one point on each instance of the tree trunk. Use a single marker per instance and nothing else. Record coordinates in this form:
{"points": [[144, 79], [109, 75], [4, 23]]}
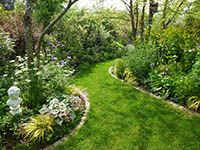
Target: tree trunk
{"points": [[164, 14], [142, 21], [132, 19], [137, 16], [28, 31]]}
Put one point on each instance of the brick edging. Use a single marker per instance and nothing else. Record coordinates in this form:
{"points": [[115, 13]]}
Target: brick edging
{"points": [[84, 95], [157, 97]]}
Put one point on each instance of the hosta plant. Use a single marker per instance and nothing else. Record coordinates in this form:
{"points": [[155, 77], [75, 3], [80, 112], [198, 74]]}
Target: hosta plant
{"points": [[62, 110]]}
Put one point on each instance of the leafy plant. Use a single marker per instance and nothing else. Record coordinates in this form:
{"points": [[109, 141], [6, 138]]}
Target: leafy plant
{"points": [[139, 60], [37, 128], [194, 102], [130, 77], [119, 68]]}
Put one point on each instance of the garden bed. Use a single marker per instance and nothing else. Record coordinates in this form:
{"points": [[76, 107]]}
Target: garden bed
{"points": [[61, 132], [142, 89]]}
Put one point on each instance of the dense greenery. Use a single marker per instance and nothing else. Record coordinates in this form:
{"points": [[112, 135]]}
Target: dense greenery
{"points": [[156, 45]]}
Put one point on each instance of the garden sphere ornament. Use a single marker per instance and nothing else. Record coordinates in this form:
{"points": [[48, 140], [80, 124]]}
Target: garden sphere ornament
{"points": [[14, 100], [8, 4]]}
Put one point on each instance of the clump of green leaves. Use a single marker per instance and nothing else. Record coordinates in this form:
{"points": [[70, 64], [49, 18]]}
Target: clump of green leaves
{"points": [[119, 68], [130, 77]]}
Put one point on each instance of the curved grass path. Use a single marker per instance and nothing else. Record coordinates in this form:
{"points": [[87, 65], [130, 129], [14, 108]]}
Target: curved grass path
{"points": [[122, 118]]}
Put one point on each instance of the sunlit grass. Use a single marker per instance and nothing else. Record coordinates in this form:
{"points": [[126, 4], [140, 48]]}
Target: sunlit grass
{"points": [[122, 118]]}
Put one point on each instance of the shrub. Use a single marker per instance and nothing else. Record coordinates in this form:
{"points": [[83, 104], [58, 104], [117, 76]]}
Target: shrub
{"points": [[130, 77], [6, 48], [189, 85], [119, 68], [38, 128], [139, 60]]}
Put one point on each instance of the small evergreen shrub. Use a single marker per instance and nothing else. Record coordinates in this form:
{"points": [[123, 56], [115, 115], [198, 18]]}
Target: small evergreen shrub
{"points": [[119, 68]]}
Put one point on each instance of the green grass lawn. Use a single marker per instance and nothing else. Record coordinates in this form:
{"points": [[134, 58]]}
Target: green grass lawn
{"points": [[123, 118]]}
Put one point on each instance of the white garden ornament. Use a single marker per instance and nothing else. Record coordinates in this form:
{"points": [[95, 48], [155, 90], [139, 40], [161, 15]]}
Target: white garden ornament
{"points": [[14, 100]]}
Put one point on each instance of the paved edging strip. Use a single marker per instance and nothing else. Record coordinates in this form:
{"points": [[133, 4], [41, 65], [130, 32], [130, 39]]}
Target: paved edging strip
{"points": [[157, 97], [84, 95]]}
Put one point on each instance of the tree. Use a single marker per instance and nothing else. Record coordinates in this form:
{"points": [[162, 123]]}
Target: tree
{"points": [[132, 8], [28, 27], [166, 22]]}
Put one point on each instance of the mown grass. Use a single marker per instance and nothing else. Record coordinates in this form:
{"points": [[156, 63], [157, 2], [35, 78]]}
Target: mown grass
{"points": [[123, 118]]}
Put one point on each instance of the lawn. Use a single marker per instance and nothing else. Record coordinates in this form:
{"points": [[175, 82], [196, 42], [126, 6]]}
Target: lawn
{"points": [[123, 118]]}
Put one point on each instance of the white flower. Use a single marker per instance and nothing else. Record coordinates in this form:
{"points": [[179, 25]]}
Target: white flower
{"points": [[38, 73], [27, 80], [5, 75], [25, 69], [12, 61], [35, 69], [18, 72]]}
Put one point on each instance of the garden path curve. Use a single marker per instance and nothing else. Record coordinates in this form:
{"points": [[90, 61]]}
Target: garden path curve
{"points": [[123, 118]]}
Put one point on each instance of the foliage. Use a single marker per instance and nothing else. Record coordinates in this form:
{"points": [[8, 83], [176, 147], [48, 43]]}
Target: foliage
{"points": [[38, 128], [140, 59], [9, 124], [60, 110], [130, 77], [44, 10], [6, 47], [119, 68], [194, 102], [88, 39]]}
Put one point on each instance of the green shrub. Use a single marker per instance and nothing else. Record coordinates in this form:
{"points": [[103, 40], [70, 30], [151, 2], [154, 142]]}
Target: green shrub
{"points": [[130, 78], [140, 59], [189, 85], [119, 68]]}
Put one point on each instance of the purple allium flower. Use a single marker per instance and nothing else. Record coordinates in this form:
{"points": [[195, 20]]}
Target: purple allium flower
{"points": [[63, 45], [58, 45], [50, 44], [47, 51], [53, 59], [56, 42], [54, 46], [167, 69]]}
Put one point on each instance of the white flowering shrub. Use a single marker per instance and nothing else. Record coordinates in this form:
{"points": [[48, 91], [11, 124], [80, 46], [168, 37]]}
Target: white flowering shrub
{"points": [[6, 46]]}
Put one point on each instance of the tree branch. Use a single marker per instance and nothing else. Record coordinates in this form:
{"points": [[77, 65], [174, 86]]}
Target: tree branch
{"points": [[174, 13], [70, 3]]}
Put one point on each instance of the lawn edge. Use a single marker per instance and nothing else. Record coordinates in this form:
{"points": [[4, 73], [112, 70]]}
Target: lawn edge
{"points": [[157, 97], [84, 95]]}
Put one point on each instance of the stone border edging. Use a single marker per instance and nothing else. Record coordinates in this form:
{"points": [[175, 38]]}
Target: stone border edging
{"points": [[157, 97], [84, 95]]}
